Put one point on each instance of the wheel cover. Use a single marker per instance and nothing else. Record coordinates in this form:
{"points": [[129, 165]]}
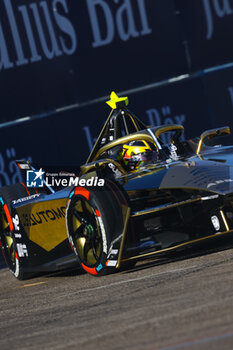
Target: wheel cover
{"points": [[7, 241], [86, 232]]}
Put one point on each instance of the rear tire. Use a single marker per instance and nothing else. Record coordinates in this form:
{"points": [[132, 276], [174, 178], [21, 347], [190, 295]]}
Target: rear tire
{"points": [[7, 238]]}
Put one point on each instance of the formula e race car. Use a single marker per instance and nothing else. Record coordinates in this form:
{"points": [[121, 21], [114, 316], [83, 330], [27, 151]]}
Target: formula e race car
{"points": [[155, 193]]}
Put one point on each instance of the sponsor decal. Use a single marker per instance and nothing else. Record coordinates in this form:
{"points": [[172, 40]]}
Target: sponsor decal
{"points": [[218, 182], [112, 252], [15, 220], [215, 196], [111, 263], [173, 153], [114, 169], [105, 249], [16, 273], [70, 239], [24, 166], [119, 21], [215, 222], [38, 218], [37, 18], [72, 245], [213, 9], [99, 267], [24, 199], [42, 30], [22, 250]]}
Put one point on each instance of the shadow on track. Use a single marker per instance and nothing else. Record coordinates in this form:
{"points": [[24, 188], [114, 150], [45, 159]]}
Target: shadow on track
{"points": [[200, 249]]}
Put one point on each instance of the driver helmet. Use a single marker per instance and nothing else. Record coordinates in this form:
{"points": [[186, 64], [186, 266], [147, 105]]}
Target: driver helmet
{"points": [[135, 154]]}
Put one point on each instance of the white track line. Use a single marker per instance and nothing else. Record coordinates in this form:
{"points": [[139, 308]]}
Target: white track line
{"points": [[197, 342], [126, 281]]}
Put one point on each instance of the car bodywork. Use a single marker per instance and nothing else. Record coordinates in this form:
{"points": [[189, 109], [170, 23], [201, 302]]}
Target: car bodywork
{"points": [[183, 198]]}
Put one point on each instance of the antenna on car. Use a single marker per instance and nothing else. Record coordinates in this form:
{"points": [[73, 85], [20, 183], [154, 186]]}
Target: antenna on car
{"points": [[116, 102], [108, 133]]}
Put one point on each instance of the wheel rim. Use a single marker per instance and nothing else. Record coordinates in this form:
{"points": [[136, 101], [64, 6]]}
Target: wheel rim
{"points": [[7, 241], [86, 232]]}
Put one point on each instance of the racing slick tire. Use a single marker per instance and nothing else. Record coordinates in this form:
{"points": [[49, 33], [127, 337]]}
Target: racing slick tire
{"points": [[92, 216], [7, 239]]}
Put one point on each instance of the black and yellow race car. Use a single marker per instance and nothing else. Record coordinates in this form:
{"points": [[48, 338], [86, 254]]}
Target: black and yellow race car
{"points": [[143, 192]]}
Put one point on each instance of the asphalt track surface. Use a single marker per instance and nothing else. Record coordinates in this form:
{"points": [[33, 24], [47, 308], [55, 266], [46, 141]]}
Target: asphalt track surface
{"points": [[177, 303]]}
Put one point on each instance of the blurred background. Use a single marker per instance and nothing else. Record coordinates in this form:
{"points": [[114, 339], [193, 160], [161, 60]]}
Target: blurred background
{"points": [[60, 60]]}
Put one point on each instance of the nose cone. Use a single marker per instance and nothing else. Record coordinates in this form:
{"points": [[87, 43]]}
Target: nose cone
{"points": [[206, 175], [197, 175]]}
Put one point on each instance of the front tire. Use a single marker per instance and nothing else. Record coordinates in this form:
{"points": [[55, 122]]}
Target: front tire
{"points": [[91, 220]]}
